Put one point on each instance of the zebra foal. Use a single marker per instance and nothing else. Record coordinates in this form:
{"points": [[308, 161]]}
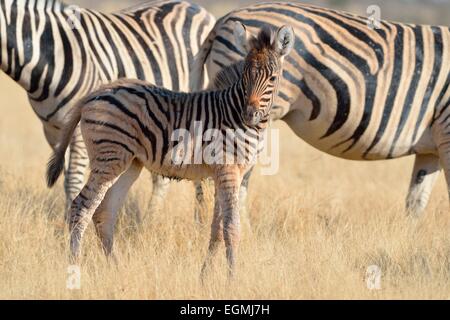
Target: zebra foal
{"points": [[130, 124]]}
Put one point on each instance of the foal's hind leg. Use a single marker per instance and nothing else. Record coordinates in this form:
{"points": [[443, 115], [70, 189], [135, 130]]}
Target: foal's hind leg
{"points": [[243, 193], [106, 214], [160, 189], [74, 173], [201, 207], [86, 203], [425, 172]]}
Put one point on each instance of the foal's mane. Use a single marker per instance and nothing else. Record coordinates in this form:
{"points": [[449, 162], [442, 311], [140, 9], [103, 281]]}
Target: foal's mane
{"points": [[228, 76], [231, 74], [263, 40]]}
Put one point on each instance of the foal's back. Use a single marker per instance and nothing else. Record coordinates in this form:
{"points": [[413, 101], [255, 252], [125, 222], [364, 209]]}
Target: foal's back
{"points": [[131, 119]]}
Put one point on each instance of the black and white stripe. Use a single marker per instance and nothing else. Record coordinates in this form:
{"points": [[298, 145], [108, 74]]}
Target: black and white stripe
{"points": [[58, 53], [352, 91], [130, 124]]}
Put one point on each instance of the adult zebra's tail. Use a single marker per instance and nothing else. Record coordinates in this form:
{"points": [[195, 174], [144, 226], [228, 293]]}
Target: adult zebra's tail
{"points": [[56, 163], [197, 72]]}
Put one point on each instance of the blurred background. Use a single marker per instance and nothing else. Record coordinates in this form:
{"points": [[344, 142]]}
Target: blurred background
{"points": [[417, 11]]}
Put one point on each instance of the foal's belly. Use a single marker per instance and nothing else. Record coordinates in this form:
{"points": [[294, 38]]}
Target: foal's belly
{"points": [[193, 172]]}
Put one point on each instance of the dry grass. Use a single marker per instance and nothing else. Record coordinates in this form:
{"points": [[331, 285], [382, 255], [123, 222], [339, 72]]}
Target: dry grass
{"points": [[328, 220], [317, 225]]}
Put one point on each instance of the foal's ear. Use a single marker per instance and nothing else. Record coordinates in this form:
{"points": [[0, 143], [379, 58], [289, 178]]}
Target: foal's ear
{"points": [[284, 40], [242, 37]]}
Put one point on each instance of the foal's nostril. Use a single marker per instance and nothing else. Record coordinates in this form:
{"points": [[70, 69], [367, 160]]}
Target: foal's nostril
{"points": [[252, 116]]}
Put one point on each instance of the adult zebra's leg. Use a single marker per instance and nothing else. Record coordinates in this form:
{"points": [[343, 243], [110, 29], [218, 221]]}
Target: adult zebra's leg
{"points": [[106, 214], [425, 172], [200, 204], [76, 166], [444, 154], [160, 189], [441, 135]]}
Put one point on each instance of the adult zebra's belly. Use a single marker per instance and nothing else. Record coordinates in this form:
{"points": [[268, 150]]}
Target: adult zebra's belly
{"points": [[372, 145]]}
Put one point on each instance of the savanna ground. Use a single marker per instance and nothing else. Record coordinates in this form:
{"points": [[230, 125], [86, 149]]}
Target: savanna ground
{"points": [[317, 226]]}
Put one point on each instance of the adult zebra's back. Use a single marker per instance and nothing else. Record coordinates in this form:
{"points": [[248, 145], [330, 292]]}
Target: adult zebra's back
{"points": [[353, 91], [59, 53]]}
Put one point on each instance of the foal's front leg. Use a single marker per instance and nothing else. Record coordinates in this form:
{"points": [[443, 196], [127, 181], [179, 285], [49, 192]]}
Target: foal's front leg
{"points": [[216, 236], [228, 181]]}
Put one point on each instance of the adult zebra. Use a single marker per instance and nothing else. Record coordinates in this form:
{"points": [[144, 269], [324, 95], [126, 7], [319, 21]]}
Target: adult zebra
{"points": [[59, 53], [352, 91]]}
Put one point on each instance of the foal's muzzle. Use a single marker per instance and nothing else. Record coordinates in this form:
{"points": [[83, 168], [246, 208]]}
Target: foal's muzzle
{"points": [[252, 116]]}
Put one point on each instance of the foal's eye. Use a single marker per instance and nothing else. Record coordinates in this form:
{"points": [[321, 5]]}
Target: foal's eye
{"points": [[272, 79]]}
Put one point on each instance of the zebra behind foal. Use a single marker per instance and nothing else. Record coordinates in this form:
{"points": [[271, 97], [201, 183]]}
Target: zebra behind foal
{"points": [[59, 53], [352, 91], [130, 124]]}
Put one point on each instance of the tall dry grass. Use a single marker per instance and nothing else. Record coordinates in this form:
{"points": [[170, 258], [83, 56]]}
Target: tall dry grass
{"points": [[316, 226]]}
